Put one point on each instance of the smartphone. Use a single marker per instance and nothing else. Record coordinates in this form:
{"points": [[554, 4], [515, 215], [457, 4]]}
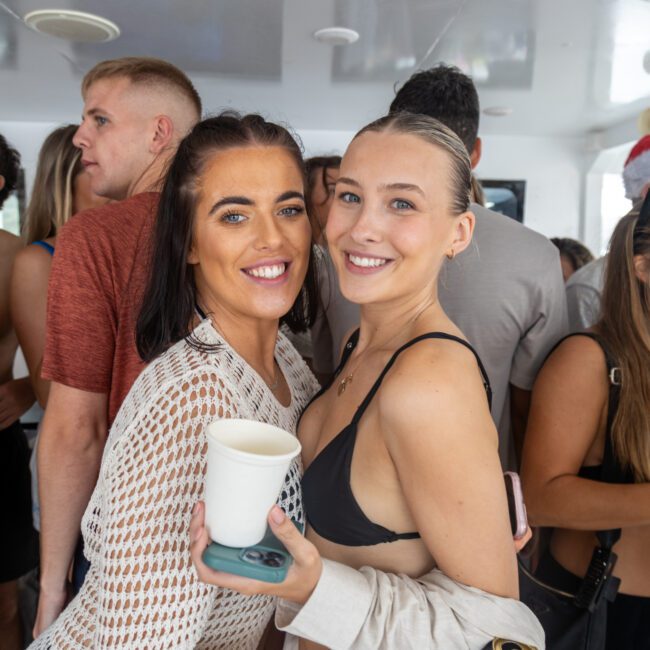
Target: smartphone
{"points": [[516, 506], [268, 561]]}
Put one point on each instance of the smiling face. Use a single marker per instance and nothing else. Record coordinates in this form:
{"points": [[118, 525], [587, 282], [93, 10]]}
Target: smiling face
{"points": [[115, 136], [251, 237], [391, 224]]}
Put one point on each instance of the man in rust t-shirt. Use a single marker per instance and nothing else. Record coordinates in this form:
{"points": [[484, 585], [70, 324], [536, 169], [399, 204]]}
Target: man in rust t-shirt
{"points": [[136, 111]]}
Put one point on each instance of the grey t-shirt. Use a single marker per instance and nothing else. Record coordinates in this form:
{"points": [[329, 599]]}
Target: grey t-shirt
{"points": [[583, 291], [506, 294]]}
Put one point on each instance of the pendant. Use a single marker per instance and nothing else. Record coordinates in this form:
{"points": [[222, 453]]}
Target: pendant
{"points": [[344, 384]]}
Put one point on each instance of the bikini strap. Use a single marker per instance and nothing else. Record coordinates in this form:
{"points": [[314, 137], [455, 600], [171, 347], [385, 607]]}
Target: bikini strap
{"points": [[48, 247], [429, 335]]}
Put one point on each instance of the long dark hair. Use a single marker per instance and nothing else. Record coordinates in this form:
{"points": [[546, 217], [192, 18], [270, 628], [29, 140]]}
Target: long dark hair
{"points": [[170, 297]]}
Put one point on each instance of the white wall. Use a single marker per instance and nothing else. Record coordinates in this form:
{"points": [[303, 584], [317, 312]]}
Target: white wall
{"points": [[552, 169]]}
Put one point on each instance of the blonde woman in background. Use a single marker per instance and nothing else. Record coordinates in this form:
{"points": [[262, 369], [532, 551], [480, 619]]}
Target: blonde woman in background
{"points": [[60, 190]]}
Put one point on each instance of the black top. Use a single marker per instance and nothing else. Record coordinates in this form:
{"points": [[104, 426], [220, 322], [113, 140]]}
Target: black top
{"points": [[332, 511]]}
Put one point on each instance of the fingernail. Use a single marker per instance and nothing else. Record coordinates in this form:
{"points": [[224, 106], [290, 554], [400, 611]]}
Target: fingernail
{"points": [[277, 514], [195, 509]]}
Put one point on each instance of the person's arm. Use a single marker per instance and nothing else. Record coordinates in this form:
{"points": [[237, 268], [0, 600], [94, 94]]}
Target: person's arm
{"points": [[440, 436], [569, 401], [70, 448], [547, 320], [28, 295]]}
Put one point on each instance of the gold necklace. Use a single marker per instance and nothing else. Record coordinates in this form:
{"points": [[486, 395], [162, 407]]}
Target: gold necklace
{"points": [[347, 380]]}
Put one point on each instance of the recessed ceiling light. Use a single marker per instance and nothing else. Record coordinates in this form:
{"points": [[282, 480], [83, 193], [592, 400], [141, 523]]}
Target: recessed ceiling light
{"points": [[498, 111], [77, 26], [336, 36]]}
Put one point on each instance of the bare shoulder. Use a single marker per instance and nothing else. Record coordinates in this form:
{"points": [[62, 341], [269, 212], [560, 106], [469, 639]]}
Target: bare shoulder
{"points": [[32, 259], [575, 357], [436, 381]]}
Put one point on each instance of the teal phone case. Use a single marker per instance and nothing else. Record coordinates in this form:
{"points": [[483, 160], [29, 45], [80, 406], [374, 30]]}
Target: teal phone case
{"points": [[268, 561]]}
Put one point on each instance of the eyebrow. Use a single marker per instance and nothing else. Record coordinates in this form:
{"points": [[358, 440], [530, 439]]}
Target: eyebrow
{"points": [[243, 200], [385, 186]]}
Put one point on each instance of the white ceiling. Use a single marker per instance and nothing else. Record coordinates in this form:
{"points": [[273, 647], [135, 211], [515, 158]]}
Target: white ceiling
{"points": [[565, 67]]}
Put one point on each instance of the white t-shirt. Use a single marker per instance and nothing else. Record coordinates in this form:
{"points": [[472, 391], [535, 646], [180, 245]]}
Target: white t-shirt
{"points": [[583, 291], [506, 294]]}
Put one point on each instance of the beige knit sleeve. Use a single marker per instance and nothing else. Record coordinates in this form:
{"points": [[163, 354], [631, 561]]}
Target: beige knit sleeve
{"points": [[148, 594]]}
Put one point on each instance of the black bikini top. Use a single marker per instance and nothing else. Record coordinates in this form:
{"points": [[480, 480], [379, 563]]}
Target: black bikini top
{"points": [[332, 510]]}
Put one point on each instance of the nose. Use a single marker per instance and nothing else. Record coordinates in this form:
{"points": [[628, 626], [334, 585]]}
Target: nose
{"points": [[365, 227], [269, 233], [80, 139]]}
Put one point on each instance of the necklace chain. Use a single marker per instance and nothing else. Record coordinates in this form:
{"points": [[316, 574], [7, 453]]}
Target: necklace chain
{"points": [[347, 380]]}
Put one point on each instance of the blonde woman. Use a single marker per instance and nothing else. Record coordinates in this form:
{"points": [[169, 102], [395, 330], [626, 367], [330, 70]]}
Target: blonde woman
{"points": [[60, 190], [591, 403]]}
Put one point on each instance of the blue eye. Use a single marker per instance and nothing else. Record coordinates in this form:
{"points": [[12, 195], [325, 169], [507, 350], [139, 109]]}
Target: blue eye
{"points": [[100, 120], [349, 197], [401, 204], [292, 211], [233, 217]]}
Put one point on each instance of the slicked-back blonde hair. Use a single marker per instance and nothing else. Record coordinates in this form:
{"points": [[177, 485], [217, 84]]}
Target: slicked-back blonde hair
{"points": [[625, 329], [51, 203], [145, 70]]}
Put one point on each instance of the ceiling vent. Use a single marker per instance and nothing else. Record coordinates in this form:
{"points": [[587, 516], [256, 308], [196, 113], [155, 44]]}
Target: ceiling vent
{"points": [[336, 36], [77, 26]]}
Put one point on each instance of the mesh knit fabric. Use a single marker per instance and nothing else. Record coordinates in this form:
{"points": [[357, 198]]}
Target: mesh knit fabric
{"points": [[141, 591]]}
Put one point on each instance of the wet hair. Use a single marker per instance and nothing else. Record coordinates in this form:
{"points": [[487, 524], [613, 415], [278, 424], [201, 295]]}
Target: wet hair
{"points": [[437, 134], [624, 327], [146, 71], [9, 169], [170, 298], [51, 203], [578, 254], [446, 94]]}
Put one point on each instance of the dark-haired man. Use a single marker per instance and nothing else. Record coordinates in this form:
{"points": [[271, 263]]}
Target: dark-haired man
{"points": [[505, 292], [136, 111]]}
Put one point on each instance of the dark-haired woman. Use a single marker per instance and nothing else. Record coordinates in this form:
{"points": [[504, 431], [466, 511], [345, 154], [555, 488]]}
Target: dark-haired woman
{"points": [[591, 406], [573, 255], [402, 487], [231, 251]]}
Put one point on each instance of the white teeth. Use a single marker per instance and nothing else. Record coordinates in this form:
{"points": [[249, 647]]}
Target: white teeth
{"points": [[366, 261], [268, 272]]}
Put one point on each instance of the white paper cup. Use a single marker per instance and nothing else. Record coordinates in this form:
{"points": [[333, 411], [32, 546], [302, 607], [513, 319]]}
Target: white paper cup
{"points": [[247, 464]]}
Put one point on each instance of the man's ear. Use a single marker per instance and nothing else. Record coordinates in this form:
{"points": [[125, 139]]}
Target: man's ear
{"points": [[475, 156], [163, 134]]}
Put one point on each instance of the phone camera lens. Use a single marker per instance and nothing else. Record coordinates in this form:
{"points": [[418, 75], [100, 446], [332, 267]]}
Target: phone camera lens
{"points": [[273, 559], [252, 556]]}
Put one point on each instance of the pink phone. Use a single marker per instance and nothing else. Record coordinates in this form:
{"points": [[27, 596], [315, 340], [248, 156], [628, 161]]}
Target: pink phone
{"points": [[516, 506]]}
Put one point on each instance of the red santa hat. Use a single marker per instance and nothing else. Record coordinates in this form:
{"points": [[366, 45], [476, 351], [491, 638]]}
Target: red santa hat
{"points": [[636, 171]]}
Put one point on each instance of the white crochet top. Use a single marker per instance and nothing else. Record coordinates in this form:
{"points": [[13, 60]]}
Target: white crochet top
{"points": [[141, 591]]}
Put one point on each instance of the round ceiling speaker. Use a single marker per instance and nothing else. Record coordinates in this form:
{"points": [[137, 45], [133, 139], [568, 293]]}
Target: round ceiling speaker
{"points": [[336, 36], [77, 26]]}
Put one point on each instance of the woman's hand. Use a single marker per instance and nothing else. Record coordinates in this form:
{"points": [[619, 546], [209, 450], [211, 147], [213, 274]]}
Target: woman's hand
{"points": [[301, 580]]}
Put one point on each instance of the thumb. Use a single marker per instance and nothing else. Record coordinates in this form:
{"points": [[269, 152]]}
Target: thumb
{"points": [[285, 530]]}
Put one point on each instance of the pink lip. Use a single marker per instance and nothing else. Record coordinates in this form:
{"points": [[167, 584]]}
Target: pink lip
{"points": [[87, 163], [364, 270]]}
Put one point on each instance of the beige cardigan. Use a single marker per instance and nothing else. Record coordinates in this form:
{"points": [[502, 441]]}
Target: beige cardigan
{"points": [[368, 609]]}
